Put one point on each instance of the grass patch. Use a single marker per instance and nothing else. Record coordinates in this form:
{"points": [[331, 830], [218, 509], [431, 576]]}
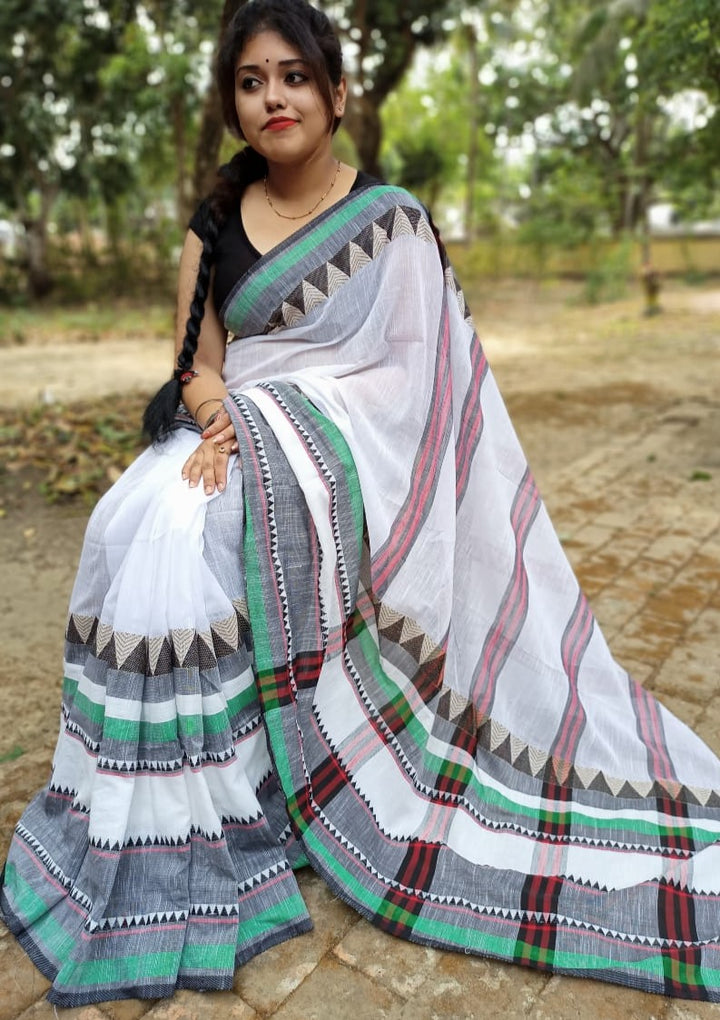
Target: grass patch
{"points": [[12, 755], [92, 322]]}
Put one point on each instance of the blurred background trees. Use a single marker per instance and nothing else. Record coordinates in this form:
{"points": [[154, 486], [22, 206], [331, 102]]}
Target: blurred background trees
{"points": [[555, 122]]}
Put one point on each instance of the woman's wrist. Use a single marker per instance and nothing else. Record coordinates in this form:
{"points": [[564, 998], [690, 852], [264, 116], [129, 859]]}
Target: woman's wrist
{"points": [[212, 419], [213, 415]]}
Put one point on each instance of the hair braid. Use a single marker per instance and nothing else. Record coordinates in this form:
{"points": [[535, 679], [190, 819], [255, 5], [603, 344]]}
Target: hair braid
{"points": [[246, 166], [308, 29], [197, 306]]}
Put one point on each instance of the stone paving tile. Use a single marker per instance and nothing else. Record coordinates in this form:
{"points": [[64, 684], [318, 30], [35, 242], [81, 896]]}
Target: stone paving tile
{"points": [[335, 992], [43, 1010], [612, 518], [708, 728], [685, 711], [678, 602], [202, 1006], [643, 672], [22, 776], [693, 1011], [615, 607], [266, 981], [589, 537], [21, 984], [647, 639], [400, 966], [689, 672], [567, 998], [468, 988], [644, 577], [126, 1009], [606, 563], [706, 627], [675, 548], [701, 573], [711, 549]]}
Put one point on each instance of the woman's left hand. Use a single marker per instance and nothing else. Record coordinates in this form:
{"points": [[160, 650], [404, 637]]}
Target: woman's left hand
{"points": [[210, 459]]}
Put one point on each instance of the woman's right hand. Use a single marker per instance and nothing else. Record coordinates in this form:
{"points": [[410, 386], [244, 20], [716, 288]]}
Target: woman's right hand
{"points": [[209, 461]]}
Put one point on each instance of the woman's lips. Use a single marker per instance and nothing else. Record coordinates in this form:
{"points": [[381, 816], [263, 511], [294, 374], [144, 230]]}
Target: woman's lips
{"points": [[279, 124]]}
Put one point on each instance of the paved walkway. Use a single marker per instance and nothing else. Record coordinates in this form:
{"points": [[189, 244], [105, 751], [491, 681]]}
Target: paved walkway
{"points": [[640, 520]]}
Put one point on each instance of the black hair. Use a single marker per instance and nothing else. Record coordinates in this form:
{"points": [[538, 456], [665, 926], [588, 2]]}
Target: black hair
{"points": [[309, 31], [299, 24]]}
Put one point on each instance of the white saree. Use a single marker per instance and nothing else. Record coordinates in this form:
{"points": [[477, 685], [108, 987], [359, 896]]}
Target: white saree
{"points": [[368, 654]]}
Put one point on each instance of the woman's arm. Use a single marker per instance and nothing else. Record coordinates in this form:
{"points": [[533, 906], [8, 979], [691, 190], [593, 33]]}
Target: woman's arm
{"points": [[203, 394]]}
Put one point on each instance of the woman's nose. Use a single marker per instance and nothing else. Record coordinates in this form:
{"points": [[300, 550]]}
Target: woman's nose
{"points": [[274, 94]]}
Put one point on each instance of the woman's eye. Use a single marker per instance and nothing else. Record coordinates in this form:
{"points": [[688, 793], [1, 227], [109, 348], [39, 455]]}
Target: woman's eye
{"points": [[296, 78], [249, 82]]}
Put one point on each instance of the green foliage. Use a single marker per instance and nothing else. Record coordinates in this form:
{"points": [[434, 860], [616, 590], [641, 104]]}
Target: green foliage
{"points": [[566, 207], [426, 133], [385, 35], [51, 53], [608, 279], [629, 58], [98, 103], [681, 41], [13, 754], [381, 40], [88, 322]]}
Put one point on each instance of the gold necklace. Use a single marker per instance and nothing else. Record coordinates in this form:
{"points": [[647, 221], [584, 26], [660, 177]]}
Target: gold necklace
{"points": [[302, 216]]}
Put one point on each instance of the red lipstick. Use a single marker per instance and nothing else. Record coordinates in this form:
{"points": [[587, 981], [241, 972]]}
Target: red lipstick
{"points": [[279, 123]]}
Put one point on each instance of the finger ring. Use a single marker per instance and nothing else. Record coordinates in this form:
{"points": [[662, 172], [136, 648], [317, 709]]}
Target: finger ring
{"points": [[221, 449]]}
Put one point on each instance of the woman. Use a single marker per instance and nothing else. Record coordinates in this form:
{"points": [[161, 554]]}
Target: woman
{"points": [[339, 628]]}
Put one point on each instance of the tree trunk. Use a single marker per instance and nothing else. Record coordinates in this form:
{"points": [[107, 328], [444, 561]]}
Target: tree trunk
{"points": [[207, 151], [642, 150], [39, 279], [362, 122], [212, 125], [183, 201], [472, 155]]}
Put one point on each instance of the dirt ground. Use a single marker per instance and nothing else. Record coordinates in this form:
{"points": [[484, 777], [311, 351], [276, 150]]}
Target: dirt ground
{"points": [[574, 377]]}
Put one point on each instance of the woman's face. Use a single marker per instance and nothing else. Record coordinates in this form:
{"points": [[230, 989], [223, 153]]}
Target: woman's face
{"points": [[279, 106]]}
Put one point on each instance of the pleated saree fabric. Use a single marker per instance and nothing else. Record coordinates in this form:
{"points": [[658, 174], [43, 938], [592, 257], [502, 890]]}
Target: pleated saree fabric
{"points": [[368, 654]]}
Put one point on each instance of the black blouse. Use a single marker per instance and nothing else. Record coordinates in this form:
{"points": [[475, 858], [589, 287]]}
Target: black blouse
{"points": [[234, 254]]}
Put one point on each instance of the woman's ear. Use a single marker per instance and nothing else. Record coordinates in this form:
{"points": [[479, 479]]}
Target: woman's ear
{"points": [[340, 98]]}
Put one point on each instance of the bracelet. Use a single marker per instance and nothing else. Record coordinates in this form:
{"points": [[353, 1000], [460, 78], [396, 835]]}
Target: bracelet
{"points": [[210, 400], [212, 419]]}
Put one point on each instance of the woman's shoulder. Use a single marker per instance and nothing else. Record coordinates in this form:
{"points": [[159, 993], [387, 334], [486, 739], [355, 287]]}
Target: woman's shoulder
{"points": [[389, 200], [392, 193]]}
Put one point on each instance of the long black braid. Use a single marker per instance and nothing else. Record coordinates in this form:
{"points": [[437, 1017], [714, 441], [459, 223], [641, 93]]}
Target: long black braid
{"points": [[308, 29], [246, 166]]}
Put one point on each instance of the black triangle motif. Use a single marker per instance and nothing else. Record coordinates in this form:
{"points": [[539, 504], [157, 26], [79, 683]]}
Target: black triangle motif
{"points": [[341, 260], [319, 279]]}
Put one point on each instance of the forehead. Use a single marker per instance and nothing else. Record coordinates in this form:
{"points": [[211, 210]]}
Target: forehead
{"points": [[267, 48]]}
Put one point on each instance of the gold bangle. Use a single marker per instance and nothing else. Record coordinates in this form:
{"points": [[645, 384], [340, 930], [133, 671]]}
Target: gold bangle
{"points": [[212, 419], [210, 400]]}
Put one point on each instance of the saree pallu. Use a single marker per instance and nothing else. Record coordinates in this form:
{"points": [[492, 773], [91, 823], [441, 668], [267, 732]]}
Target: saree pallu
{"points": [[368, 654]]}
